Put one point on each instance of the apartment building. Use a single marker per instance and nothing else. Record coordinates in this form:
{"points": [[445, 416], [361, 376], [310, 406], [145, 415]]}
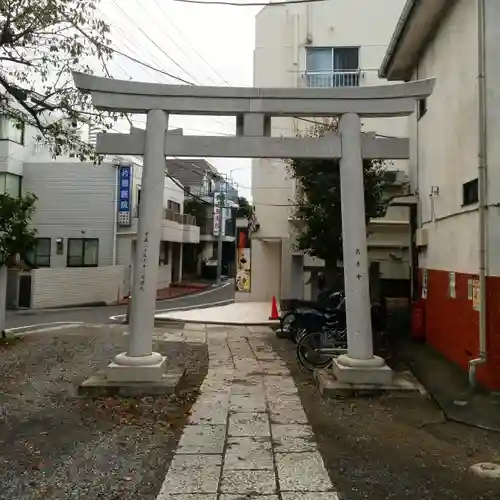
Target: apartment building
{"points": [[202, 183], [86, 220], [455, 173], [335, 43]]}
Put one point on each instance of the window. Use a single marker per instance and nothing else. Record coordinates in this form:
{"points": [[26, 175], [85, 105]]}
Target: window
{"points": [[10, 184], [174, 206], [11, 130], [83, 252], [164, 250], [332, 67], [138, 206], [40, 255], [206, 188], [470, 192], [422, 108]]}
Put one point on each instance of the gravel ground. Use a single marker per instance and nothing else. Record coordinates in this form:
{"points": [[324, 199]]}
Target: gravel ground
{"points": [[56, 445], [394, 447]]}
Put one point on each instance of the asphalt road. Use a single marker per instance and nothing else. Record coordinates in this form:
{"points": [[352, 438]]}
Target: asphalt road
{"points": [[101, 315]]}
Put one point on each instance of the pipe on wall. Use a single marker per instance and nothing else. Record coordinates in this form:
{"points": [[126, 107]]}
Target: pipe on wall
{"points": [[115, 213], [482, 188]]}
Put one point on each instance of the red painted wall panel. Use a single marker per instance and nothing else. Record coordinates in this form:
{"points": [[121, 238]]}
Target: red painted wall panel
{"points": [[452, 324]]}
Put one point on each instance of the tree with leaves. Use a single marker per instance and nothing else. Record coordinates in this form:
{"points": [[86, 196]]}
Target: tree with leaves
{"points": [[318, 204], [16, 238], [198, 209], [244, 208], [41, 43]]}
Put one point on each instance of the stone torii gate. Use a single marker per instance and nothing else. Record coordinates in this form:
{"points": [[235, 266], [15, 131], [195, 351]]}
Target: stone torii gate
{"points": [[253, 108]]}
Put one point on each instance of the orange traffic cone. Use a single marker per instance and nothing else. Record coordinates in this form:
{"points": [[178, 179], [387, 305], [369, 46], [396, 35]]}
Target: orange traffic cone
{"points": [[274, 310]]}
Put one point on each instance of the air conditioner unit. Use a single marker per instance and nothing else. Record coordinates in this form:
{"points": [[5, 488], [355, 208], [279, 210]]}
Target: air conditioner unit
{"points": [[421, 238]]}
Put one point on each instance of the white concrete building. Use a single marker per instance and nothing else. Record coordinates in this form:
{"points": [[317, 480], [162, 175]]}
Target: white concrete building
{"points": [[336, 43], [203, 181], [86, 218], [455, 172]]}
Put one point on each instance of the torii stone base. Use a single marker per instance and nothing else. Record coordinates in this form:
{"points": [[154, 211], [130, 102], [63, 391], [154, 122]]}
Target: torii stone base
{"points": [[354, 372], [400, 383], [100, 384]]}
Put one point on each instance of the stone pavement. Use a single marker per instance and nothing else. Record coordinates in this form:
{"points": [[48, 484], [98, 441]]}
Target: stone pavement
{"points": [[248, 435]]}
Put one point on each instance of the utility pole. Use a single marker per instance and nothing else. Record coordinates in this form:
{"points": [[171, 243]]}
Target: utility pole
{"points": [[220, 237]]}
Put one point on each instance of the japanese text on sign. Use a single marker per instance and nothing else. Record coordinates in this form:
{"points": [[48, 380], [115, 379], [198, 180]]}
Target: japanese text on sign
{"points": [[124, 195]]}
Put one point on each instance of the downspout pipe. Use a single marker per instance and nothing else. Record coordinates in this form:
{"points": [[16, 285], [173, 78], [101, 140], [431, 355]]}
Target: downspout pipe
{"points": [[483, 190], [115, 212]]}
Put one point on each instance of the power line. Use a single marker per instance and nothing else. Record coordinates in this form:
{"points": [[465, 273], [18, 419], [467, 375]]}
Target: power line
{"points": [[169, 20], [190, 44], [138, 61], [165, 33], [153, 42]]}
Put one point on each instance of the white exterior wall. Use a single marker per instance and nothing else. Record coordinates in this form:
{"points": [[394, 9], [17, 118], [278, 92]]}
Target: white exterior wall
{"points": [[75, 200], [447, 136], [493, 144], [57, 287], [282, 35]]}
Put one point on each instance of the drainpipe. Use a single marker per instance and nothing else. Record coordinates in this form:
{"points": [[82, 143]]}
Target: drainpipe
{"points": [[115, 213], [483, 190]]}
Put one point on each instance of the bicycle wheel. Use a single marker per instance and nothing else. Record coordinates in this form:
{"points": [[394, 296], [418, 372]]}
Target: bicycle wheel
{"points": [[288, 326], [307, 351]]}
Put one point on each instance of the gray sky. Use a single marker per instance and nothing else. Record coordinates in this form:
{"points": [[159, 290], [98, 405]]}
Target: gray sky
{"points": [[207, 44]]}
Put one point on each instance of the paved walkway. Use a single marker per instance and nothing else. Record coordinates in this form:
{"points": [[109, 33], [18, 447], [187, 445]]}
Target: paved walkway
{"points": [[239, 313], [248, 435]]}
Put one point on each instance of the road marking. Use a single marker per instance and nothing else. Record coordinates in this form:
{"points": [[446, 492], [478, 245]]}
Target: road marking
{"points": [[43, 327], [182, 308]]}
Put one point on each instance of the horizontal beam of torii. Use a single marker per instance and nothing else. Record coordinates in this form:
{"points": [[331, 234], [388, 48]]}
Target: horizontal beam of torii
{"points": [[327, 147], [139, 97]]}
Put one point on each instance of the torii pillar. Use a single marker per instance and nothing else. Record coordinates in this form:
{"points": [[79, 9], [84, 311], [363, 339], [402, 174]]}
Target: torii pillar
{"points": [[359, 366]]}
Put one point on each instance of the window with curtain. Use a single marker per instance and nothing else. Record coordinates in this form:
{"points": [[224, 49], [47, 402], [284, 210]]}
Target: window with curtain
{"points": [[10, 184], [83, 252], [11, 130], [164, 251], [40, 255], [332, 66], [174, 206]]}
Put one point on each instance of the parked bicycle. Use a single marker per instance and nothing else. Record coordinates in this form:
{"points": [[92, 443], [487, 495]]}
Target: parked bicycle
{"points": [[319, 341], [305, 310], [323, 335]]}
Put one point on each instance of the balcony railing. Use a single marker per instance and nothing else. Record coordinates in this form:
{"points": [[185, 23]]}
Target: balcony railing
{"points": [[329, 79], [185, 219]]}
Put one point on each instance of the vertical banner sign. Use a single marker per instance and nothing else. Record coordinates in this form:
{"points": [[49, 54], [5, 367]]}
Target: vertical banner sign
{"points": [[243, 261], [124, 195], [218, 215]]}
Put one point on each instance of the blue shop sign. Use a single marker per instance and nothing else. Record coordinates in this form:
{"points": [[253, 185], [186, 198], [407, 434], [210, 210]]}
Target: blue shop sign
{"points": [[125, 188]]}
